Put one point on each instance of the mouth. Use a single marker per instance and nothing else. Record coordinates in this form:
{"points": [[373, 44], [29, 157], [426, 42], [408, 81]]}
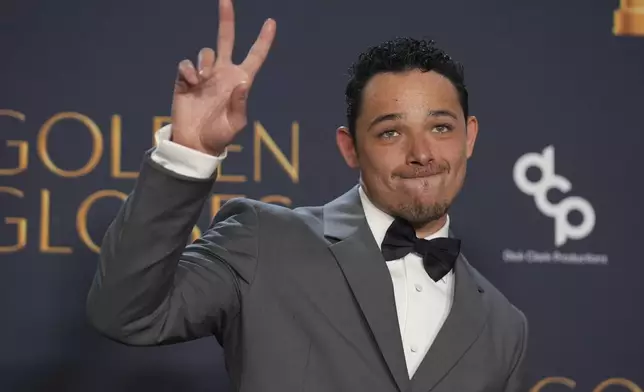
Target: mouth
{"points": [[420, 176], [420, 173], [424, 182]]}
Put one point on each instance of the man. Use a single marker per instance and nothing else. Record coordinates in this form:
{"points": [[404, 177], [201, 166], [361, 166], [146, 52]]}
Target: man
{"points": [[349, 296]]}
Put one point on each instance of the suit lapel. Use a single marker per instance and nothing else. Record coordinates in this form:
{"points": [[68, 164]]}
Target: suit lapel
{"points": [[460, 330], [366, 272]]}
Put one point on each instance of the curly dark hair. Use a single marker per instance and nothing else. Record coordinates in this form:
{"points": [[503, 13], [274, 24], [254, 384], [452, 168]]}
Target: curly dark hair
{"points": [[398, 55]]}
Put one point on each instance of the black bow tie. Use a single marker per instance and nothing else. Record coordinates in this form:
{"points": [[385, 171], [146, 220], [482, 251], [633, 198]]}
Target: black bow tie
{"points": [[438, 254]]}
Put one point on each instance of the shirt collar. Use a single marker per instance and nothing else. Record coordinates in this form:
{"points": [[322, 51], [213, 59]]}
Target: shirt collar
{"points": [[379, 221]]}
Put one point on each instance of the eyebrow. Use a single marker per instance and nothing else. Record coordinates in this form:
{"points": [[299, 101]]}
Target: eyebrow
{"points": [[399, 116]]}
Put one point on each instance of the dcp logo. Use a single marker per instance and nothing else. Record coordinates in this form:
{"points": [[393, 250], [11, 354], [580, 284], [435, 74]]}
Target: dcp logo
{"points": [[545, 162]]}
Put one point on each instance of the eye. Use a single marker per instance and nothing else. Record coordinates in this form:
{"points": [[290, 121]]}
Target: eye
{"points": [[388, 134], [443, 128]]}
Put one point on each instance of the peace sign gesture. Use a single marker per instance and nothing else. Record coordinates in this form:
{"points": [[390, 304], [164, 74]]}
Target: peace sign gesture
{"points": [[209, 101]]}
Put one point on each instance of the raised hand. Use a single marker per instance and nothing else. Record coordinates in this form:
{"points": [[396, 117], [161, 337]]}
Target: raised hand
{"points": [[209, 101]]}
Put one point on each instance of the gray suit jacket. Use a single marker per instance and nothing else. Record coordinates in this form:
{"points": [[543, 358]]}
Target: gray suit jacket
{"points": [[300, 300]]}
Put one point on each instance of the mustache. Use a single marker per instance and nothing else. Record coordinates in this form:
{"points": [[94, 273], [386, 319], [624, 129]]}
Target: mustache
{"points": [[422, 171]]}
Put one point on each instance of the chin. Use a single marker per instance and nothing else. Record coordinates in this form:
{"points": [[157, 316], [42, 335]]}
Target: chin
{"points": [[418, 212], [426, 198]]}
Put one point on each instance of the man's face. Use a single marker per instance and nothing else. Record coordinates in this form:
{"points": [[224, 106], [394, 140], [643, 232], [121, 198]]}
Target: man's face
{"points": [[412, 144]]}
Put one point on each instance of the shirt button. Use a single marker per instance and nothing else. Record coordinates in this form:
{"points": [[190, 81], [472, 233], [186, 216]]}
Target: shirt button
{"points": [[419, 288], [413, 349]]}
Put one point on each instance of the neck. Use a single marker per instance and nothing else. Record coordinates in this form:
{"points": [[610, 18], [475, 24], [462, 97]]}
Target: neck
{"points": [[428, 228]]}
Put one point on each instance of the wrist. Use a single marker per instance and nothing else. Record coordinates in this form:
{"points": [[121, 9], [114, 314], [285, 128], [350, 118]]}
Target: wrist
{"points": [[216, 151]]}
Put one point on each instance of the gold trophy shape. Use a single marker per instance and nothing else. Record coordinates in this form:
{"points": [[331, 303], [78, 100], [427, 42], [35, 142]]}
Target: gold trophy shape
{"points": [[629, 18]]}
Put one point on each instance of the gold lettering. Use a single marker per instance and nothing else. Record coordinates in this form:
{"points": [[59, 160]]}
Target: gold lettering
{"points": [[83, 210], [45, 221], [218, 200], [230, 177], [159, 122], [291, 168], [117, 150], [277, 199], [553, 380], [22, 145], [631, 386], [196, 233], [21, 224], [97, 146]]}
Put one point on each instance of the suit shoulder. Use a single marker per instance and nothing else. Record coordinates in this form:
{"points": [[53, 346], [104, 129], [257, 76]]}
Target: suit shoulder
{"points": [[270, 211], [310, 216], [236, 206], [273, 220]]}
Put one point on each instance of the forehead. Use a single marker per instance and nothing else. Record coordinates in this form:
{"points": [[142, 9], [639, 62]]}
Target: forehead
{"points": [[407, 91]]}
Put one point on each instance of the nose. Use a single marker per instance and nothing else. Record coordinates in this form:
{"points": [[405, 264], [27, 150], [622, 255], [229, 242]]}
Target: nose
{"points": [[419, 150]]}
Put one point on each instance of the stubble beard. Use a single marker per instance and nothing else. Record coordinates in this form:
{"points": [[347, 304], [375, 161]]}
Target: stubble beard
{"points": [[419, 214], [420, 211], [416, 212]]}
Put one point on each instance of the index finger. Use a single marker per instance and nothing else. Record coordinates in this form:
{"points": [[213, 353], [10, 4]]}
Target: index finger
{"points": [[259, 51]]}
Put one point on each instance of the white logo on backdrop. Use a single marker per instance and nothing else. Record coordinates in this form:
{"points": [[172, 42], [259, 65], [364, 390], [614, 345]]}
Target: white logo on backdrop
{"points": [[563, 230], [545, 162]]}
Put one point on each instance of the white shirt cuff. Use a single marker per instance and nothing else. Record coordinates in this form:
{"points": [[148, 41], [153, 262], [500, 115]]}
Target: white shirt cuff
{"points": [[181, 159]]}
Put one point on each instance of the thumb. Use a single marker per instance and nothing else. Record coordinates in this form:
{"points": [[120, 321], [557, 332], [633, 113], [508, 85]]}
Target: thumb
{"points": [[238, 105]]}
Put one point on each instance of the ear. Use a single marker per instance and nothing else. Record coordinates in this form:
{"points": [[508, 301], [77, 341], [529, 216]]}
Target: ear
{"points": [[347, 147], [472, 131]]}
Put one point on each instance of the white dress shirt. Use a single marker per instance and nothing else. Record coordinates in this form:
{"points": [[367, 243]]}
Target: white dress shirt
{"points": [[181, 159], [422, 304]]}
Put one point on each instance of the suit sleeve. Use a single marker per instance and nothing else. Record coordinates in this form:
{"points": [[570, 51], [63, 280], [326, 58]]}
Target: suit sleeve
{"points": [[151, 288], [517, 380]]}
